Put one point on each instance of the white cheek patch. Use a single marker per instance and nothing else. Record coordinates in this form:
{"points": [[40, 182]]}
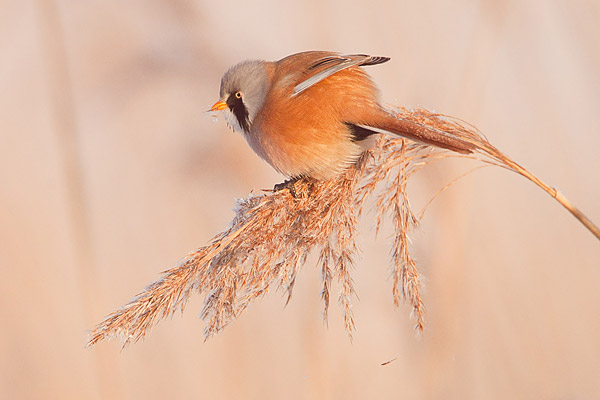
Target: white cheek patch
{"points": [[232, 121]]}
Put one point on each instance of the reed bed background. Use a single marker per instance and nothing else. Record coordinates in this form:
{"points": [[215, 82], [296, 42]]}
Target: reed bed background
{"points": [[112, 171]]}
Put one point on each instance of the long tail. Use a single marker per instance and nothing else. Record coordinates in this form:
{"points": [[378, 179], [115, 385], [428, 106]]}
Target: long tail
{"points": [[388, 123]]}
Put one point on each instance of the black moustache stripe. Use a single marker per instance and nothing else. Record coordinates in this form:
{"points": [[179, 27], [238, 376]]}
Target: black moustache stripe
{"points": [[240, 111]]}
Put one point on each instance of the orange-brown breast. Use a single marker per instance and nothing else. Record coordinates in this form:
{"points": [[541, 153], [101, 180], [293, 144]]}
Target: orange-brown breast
{"points": [[306, 135]]}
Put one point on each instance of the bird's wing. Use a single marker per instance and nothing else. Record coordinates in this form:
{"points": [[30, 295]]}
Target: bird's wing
{"points": [[329, 65]]}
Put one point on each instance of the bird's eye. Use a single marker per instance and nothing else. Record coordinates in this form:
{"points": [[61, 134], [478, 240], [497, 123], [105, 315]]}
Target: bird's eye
{"points": [[238, 95]]}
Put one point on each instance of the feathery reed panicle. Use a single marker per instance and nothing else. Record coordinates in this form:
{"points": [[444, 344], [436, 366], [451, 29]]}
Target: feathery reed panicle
{"points": [[272, 234]]}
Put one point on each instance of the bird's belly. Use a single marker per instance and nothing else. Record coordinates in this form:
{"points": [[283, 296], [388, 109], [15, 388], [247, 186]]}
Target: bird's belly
{"points": [[307, 152]]}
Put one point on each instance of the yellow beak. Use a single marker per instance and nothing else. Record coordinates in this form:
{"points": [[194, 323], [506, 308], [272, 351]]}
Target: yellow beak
{"points": [[219, 105]]}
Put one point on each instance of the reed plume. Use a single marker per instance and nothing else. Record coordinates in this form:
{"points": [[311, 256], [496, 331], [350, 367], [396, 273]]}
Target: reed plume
{"points": [[272, 234]]}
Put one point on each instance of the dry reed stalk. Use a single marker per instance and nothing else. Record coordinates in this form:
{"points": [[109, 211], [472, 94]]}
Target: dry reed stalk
{"points": [[272, 234], [491, 155]]}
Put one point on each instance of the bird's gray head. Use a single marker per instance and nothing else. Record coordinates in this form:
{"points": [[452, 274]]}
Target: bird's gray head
{"points": [[244, 88]]}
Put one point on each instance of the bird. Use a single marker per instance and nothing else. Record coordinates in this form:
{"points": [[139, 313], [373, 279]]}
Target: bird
{"points": [[312, 114]]}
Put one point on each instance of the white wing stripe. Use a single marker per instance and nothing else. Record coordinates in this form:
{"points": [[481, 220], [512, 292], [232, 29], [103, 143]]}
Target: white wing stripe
{"points": [[302, 86]]}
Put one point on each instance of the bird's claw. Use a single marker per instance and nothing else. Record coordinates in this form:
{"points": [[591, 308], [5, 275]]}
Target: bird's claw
{"points": [[289, 184]]}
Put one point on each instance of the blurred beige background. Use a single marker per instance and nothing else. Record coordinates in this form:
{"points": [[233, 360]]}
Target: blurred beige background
{"points": [[111, 170]]}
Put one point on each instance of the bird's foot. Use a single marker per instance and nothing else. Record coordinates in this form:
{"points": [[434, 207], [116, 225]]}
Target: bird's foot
{"points": [[289, 184]]}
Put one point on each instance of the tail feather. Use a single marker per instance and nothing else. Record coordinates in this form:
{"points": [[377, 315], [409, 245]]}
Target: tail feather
{"points": [[411, 130]]}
